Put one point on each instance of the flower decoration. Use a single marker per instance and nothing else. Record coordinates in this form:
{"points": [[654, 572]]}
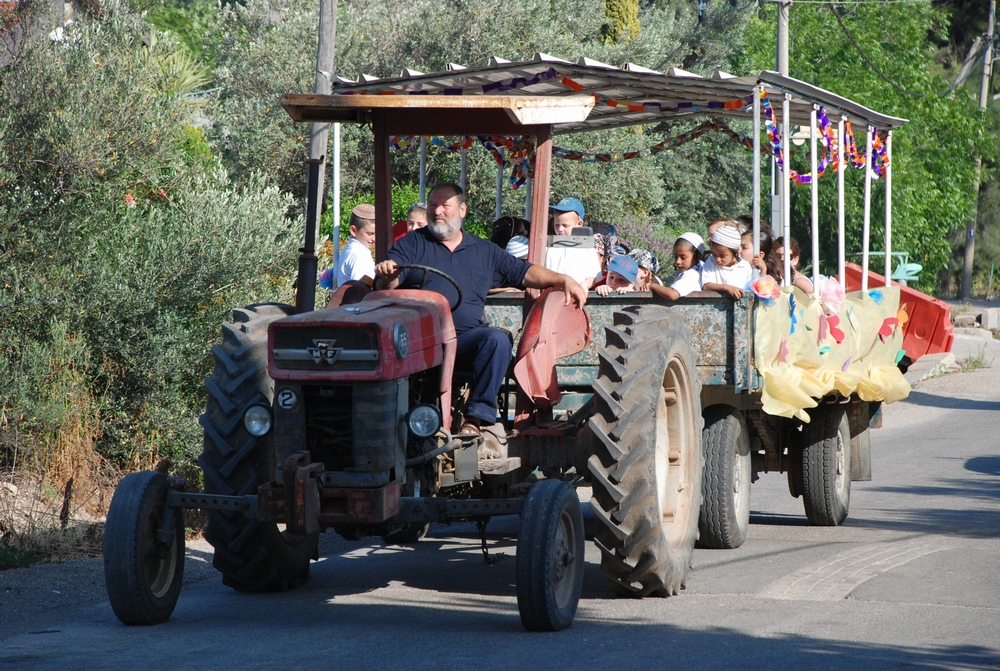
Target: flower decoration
{"points": [[831, 296], [765, 288], [326, 279]]}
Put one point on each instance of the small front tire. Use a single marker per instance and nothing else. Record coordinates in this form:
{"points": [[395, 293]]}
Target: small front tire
{"points": [[550, 557], [143, 573]]}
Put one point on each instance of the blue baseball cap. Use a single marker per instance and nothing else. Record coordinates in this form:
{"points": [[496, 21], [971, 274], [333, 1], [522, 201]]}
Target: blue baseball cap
{"points": [[568, 205], [625, 266]]}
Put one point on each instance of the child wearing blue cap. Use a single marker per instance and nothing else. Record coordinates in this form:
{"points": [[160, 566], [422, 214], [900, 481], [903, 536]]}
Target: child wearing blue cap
{"points": [[580, 263], [622, 273]]}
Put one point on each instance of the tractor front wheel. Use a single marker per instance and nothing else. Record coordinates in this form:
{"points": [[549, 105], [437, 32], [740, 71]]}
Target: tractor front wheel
{"points": [[143, 550], [549, 562]]}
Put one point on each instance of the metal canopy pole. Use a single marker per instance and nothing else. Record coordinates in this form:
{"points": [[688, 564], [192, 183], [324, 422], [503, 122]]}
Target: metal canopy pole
{"points": [[841, 169], [335, 235], [423, 169], [814, 195], [887, 175], [497, 210], [461, 174], [866, 234], [786, 189], [756, 168]]}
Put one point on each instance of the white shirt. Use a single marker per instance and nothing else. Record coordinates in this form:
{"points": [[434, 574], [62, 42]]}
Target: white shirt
{"points": [[737, 275], [355, 262], [688, 280], [579, 263]]}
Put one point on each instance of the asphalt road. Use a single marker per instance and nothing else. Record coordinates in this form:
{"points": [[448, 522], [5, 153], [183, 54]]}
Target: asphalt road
{"points": [[912, 580]]}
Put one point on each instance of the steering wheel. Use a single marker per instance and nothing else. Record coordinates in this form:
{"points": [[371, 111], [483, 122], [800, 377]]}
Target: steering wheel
{"points": [[423, 279]]}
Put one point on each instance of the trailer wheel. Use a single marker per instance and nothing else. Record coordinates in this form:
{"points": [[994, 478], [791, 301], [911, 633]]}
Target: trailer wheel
{"points": [[550, 557], [251, 555], [826, 465], [647, 465], [142, 573], [725, 511]]}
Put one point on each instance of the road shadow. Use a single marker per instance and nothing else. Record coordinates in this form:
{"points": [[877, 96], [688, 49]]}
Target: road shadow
{"points": [[985, 465], [950, 402], [395, 631]]}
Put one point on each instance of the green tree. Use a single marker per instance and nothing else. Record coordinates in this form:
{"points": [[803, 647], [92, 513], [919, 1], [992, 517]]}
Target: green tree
{"points": [[623, 20], [121, 245]]}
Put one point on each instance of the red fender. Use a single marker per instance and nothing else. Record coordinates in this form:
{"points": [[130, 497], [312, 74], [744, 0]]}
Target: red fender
{"points": [[552, 330]]}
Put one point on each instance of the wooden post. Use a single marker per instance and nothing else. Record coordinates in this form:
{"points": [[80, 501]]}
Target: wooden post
{"points": [[383, 188], [540, 203]]}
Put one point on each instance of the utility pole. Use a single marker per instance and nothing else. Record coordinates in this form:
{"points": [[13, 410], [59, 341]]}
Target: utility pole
{"points": [[781, 53], [305, 296], [984, 91], [319, 133]]}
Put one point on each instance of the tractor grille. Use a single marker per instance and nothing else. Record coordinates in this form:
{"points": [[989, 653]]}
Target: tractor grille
{"points": [[355, 427], [323, 349], [329, 426]]}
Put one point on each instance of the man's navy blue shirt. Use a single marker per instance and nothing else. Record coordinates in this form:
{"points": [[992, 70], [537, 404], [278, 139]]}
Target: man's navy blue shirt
{"points": [[476, 264]]}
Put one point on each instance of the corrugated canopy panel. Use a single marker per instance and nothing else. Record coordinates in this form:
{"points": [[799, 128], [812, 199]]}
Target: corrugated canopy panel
{"points": [[625, 96]]}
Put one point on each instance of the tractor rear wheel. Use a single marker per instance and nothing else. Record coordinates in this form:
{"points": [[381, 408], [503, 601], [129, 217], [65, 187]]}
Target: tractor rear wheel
{"points": [[647, 465], [251, 555], [826, 465], [725, 512]]}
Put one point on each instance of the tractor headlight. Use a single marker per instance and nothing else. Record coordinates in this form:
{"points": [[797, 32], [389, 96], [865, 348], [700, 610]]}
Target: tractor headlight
{"points": [[423, 420], [400, 340], [257, 420]]}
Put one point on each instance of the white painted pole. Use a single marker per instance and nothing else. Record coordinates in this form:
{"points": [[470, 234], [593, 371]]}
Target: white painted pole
{"points": [[814, 195], [335, 234], [887, 176], [866, 233], [786, 189], [841, 169], [497, 210], [756, 168], [423, 169], [461, 175]]}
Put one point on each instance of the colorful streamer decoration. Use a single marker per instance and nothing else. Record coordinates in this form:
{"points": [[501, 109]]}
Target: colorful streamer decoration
{"points": [[520, 150]]}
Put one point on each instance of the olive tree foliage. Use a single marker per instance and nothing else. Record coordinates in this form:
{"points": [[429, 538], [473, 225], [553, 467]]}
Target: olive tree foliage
{"points": [[933, 161], [268, 48], [119, 241]]}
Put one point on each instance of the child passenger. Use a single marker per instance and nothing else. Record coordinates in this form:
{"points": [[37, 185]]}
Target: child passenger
{"points": [[724, 271], [688, 251], [580, 263], [622, 273], [778, 255], [356, 262], [649, 267]]}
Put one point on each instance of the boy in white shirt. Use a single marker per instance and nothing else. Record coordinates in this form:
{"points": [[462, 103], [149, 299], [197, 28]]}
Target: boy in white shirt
{"points": [[724, 271], [356, 260], [580, 263]]}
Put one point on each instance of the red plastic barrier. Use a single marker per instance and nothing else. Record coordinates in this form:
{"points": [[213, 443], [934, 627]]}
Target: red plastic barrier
{"points": [[929, 328]]}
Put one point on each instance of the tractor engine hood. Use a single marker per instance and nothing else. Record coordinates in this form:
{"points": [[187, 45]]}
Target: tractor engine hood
{"points": [[388, 335]]}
